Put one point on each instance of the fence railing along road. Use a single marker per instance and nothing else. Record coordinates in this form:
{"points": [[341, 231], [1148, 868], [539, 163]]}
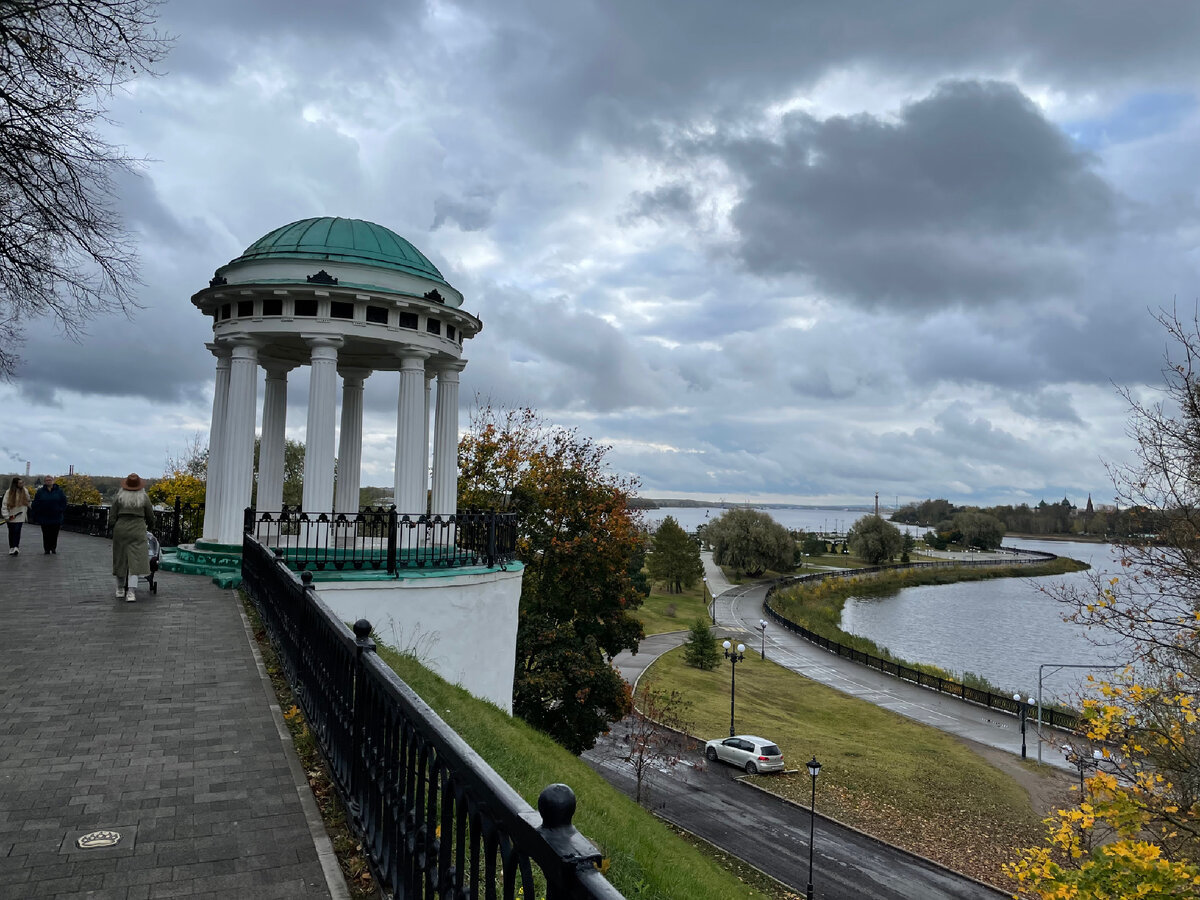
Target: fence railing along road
{"points": [[434, 818]]}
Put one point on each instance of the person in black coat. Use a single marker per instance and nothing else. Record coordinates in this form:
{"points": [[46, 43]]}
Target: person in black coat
{"points": [[49, 504]]}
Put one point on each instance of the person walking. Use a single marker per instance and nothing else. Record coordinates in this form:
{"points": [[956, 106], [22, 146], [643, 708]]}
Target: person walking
{"points": [[49, 505], [15, 510], [132, 516]]}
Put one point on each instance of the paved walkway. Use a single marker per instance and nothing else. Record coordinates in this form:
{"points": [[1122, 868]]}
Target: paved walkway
{"points": [[738, 610], [152, 719]]}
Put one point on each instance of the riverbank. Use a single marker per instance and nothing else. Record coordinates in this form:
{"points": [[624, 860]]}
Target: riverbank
{"points": [[818, 605]]}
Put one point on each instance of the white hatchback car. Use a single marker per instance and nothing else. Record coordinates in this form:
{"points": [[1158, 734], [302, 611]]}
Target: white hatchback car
{"points": [[754, 754]]}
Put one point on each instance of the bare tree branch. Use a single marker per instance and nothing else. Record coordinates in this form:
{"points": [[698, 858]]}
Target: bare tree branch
{"points": [[64, 251]]}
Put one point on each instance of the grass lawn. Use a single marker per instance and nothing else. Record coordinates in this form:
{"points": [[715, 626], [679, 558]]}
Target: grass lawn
{"points": [[909, 784], [673, 612], [646, 859]]}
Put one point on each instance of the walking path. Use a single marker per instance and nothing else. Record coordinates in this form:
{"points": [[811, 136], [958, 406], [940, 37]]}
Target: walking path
{"points": [[738, 610], [154, 720]]}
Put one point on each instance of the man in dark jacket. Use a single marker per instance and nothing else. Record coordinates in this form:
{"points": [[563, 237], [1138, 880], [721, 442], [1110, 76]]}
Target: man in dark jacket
{"points": [[49, 504]]}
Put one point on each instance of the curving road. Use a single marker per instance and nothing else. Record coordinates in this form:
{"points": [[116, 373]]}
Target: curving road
{"points": [[717, 803], [711, 800]]}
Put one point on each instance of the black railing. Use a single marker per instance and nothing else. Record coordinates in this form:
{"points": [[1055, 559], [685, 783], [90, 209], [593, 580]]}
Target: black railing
{"points": [[381, 539], [180, 523], [434, 818], [1053, 717]]}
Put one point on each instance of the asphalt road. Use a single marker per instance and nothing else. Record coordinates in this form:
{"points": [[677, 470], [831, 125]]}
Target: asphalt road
{"points": [[709, 800]]}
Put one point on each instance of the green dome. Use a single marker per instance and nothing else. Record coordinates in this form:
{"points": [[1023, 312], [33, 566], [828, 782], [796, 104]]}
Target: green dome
{"points": [[342, 240]]}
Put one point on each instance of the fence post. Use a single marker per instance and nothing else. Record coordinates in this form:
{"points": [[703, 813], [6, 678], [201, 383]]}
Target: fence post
{"points": [[491, 540], [175, 531], [391, 541], [362, 645]]}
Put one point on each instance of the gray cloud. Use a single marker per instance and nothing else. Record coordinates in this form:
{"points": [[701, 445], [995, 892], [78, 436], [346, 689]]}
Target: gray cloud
{"points": [[971, 197]]}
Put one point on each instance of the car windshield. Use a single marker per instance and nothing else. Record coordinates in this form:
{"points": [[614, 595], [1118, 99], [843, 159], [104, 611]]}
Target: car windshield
{"points": [[770, 750]]}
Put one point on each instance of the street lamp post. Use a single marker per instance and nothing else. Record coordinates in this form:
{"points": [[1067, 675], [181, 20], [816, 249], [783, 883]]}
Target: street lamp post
{"points": [[1021, 712], [1056, 667], [814, 769], [762, 627], [734, 657], [1082, 763]]}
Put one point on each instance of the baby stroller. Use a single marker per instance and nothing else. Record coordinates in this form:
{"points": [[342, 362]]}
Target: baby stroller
{"points": [[152, 547]]}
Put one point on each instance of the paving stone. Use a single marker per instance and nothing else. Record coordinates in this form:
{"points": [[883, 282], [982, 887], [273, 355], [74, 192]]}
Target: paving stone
{"points": [[148, 716]]}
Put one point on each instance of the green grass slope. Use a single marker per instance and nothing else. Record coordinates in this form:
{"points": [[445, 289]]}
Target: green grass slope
{"points": [[646, 858]]}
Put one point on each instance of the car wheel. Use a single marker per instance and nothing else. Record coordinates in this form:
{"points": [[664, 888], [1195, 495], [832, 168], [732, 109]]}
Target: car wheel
{"points": [[711, 753], [751, 768]]}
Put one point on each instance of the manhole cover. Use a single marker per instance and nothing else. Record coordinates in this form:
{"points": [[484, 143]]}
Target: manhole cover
{"points": [[97, 839]]}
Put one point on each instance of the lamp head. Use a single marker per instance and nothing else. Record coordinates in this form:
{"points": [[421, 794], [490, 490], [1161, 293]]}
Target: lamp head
{"points": [[726, 644], [814, 767], [741, 648]]}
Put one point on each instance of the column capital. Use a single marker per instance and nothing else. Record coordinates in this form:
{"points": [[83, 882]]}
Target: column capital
{"points": [[219, 350], [449, 371], [276, 368], [413, 359], [322, 340], [353, 375], [240, 339]]}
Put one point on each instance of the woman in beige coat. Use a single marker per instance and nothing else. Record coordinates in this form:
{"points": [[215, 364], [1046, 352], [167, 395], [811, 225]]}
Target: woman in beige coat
{"points": [[15, 510], [132, 516]]}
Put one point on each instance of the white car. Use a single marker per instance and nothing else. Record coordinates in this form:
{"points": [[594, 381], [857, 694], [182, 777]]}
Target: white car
{"points": [[754, 754]]}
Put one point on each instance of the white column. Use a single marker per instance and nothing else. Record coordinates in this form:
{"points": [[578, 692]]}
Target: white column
{"points": [[411, 456], [425, 468], [445, 441], [216, 434], [274, 433], [237, 468], [349, 458], [318, 440]]}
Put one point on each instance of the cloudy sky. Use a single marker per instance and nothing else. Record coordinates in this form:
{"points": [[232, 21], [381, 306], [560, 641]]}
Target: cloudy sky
{"points": [[778, 251]]}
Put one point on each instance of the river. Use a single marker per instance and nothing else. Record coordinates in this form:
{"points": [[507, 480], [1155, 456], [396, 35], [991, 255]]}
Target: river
{"points": [[1001, 629]]}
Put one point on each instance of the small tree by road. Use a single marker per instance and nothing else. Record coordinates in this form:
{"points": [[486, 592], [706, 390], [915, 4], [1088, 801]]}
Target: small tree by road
{"points": [[675, 557], [700, 648], [874, 540], [657, 737]]}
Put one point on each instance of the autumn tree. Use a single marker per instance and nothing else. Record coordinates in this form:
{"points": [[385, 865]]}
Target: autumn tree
{"points": [[874, 540], [750, 541], [64, 251], [675, 557], [700, 648], [1145, 793], [576, 538], [188, 488], [79, 490]]}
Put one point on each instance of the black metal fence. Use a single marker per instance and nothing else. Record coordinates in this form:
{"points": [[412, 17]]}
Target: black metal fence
{"points": [[180, 523], [1054, 717], [379, 538], [435, 819]]}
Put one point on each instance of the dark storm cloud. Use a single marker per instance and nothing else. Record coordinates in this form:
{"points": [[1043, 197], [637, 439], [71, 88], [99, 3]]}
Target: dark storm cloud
{"points": [[971, 197], [663, 204], [471, 211], [625, 69]]}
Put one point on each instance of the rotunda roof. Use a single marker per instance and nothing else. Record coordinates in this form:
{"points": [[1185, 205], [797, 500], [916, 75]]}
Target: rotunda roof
{"points": [[345, 240]]}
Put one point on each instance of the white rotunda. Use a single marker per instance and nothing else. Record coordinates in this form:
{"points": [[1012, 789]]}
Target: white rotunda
{"points": [[349, 298], [346, 298]]}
